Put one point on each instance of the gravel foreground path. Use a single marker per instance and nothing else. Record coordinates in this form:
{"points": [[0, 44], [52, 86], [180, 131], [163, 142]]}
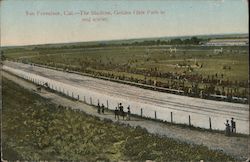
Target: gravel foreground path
{"points": [[238, 147]]}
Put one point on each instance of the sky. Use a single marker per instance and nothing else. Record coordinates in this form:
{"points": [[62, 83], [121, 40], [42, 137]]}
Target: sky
{"points": [[26, 22]]}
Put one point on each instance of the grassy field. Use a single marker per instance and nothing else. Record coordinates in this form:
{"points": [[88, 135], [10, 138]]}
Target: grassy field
{"points": [[147, 57], [35, 129], [190, 68]]}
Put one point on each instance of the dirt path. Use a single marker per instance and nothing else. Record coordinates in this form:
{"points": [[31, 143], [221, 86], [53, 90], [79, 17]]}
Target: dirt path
{"points": [[235, 146]]}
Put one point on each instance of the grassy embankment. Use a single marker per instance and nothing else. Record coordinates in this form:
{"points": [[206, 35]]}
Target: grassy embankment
{"points": [[36, 129]]}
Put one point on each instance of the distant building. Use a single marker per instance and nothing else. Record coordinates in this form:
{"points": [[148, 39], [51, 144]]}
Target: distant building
{"points": [[218, 51], [228, 42], [172, 50]]}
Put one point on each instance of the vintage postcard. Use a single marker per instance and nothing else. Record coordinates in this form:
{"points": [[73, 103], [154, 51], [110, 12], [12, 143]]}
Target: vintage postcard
{"points": [[124, 80]]}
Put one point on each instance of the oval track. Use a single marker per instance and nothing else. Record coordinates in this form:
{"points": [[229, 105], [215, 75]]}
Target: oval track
{"points": [[152, 99]]}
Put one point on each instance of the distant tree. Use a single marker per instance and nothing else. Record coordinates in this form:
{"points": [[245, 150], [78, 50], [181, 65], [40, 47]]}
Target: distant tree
{"points": [[176, 41], [2, 57], [194, 40], [158, 42]]}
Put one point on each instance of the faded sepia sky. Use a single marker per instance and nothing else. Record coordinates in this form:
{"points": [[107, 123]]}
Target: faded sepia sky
{"points": [[182, 17]]}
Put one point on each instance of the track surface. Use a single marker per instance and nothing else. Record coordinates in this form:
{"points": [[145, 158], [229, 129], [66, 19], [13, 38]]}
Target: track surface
{"points": [[163, 103]]}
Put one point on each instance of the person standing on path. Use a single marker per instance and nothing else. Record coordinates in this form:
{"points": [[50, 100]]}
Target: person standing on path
{"points": [[227, 131], [98, 108], [116, 113], [233, 126], [128, 115], [103, 108]]}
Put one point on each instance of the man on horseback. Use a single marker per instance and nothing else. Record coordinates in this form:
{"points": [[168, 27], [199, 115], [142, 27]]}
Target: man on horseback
{"points": [[122, 113]]}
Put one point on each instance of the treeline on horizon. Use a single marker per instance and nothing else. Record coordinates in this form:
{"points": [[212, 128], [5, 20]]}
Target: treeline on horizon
{"points": [[176, 41]]}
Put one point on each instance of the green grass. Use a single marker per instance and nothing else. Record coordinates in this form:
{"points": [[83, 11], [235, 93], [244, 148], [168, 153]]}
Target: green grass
{"points": [[116, 58], [35, 129]]}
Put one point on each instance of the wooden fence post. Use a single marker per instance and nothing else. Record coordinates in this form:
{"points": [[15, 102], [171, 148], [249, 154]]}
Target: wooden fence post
{"points": [[141, 112], [155, 115], [210, 124], [78, 97], [107, 104], [171, 117], [189, 120]]}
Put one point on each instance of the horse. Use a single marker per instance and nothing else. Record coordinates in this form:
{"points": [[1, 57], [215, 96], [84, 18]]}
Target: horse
{"points": [[122, 113]]}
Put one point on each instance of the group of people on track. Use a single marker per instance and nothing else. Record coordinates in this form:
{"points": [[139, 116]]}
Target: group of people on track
{"points": [[100, 109], [230, 128], [119, 111]]}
